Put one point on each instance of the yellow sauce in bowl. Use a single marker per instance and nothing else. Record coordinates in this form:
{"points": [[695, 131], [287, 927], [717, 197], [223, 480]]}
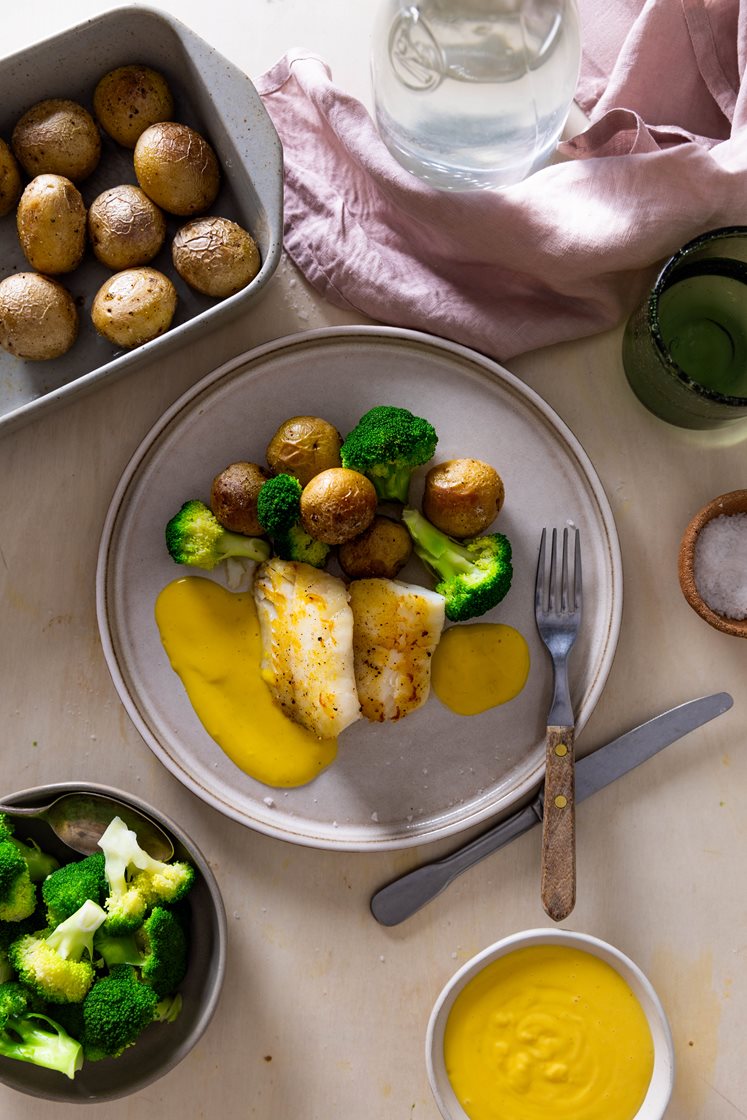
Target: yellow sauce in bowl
{"points": [[479, 666], [548, 1032], [212, 640]]}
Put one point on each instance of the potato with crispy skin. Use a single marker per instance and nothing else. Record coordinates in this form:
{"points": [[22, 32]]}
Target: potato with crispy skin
{"points": [[57, 137], [177, 168], [304, 446], [379, 552], [233, 497], [51, 221], [215, 256], [129, 99], [38, 317], [125, 227], [11, 184], [134, 306], [462, 497], [337, 505]]}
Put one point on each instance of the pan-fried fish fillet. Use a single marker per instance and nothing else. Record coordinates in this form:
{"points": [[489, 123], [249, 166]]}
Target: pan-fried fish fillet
{"points": [[396, 628], [306, 626]]}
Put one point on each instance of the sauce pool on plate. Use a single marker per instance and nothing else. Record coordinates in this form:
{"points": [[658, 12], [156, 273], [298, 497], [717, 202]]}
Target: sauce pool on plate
{"points": [[212, 639], [479, 666], [548, 1031]]}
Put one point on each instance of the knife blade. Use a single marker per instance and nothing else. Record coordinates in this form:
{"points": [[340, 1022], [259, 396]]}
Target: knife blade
{"points": [[404, 896]]}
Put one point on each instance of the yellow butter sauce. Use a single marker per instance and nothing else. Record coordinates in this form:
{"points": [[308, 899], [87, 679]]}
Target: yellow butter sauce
{"points": [[212, 638], [479, 666], [548, 1032]]}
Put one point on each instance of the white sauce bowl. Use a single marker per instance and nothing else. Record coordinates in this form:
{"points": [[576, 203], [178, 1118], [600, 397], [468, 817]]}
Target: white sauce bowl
{"points": [[662, 1079]]}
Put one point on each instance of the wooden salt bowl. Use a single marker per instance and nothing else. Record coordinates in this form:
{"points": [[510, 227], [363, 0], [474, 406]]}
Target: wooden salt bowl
{"points": [[733, 502]]}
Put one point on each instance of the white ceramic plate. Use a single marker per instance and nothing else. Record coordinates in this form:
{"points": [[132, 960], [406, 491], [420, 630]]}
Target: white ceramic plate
{"points": [[434, 773]]}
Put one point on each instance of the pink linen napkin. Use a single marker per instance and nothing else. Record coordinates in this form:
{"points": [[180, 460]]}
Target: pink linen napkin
{"points": [[564, 254]]}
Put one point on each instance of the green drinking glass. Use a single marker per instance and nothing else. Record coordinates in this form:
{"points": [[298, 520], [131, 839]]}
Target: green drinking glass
{"points": [[685, 348]]}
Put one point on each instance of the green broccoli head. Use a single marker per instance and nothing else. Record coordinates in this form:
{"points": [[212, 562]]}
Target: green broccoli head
{"points": [[296, 544], [196, 537], [67, 888], [473, 575], [57, 964], [39, 863], [28, 1035], [116, 1011], [17, 892], [279, 504], [386, 445], [164, 960], [158, 949], [136, 881]]}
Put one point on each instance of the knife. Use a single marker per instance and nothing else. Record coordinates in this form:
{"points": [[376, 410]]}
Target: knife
{"points": [[403, 897]]}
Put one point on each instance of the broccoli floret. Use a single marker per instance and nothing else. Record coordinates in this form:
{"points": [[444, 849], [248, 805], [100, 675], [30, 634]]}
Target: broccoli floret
{"points": [[137, 881], [158, 949], [473, 575], [57, 964], [67, 888], [17, 892], [386, 445], [297, 544], [195, 536], [28, 1035], [116, 1011], [279, 503], [38, 862], [164, 962], [21, 865], [279, 513]]}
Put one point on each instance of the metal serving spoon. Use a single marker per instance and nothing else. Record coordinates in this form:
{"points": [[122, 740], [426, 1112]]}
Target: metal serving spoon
{"points": [[80, 819]]}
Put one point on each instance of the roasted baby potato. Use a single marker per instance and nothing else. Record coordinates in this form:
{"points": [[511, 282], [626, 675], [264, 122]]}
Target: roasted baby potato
{"points": [[134, 306], [177, 168], [304, 446], [125, 227], [51, 220], [337, 505], [233, 497], [57, 137], [379, 552], [462, 497], [129, 99], [215, 256], [10, 180], [38, 317]]}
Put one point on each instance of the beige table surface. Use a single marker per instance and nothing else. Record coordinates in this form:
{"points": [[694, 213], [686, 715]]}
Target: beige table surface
{"points": [[337, 1002]]}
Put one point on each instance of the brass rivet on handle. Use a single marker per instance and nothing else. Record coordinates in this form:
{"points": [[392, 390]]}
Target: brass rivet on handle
{"points": [[561, 750], [561, 801]]}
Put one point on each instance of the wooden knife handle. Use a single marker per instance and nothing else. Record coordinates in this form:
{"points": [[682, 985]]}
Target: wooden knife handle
{"points": [[558, 888]]}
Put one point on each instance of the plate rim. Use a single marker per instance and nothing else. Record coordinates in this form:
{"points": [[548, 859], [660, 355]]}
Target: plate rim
{"points": [[481, 815]]}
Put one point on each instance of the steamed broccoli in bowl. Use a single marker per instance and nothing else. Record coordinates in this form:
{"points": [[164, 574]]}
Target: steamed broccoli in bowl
{"points": [[82, 977]]}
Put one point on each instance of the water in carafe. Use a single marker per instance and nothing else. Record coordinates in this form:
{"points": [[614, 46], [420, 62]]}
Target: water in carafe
{"points": [[474, 94]]}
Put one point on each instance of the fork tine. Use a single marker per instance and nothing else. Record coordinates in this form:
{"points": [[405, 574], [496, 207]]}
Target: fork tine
{"points": [[553, 574], [577, 574], [539, 583], [564, 575]]}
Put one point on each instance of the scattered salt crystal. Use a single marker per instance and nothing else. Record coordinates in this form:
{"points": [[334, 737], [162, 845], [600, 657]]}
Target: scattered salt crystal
{"points": [[720, 564], [269, 802], [374, 816]]}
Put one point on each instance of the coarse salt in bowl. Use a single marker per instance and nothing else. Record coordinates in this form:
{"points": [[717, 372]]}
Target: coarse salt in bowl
{"points": [[712, 563]]}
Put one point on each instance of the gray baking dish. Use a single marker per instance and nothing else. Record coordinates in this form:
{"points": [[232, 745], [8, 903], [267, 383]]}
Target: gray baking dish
{"points": [[213, 96]]}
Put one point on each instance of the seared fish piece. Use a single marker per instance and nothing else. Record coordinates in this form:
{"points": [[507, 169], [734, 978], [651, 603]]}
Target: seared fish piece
{"points": [[396, 628], [306, 626]]}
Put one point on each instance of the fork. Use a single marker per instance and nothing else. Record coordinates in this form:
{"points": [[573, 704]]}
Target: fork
{"points": [[557, 610]]}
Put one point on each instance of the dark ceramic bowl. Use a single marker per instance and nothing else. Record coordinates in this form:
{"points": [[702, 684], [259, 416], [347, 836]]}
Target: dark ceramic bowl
{"points": [[162, 1045]]}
